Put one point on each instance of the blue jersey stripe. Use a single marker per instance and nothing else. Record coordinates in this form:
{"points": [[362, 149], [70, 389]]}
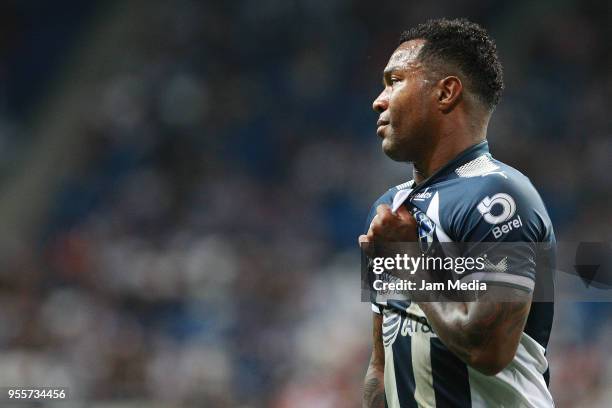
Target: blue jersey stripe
{"points": [[451, 379], [404, 375]]}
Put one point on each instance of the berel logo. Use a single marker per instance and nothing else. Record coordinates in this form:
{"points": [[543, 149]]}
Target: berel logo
{"points": [[506, 228], [501, 204]]}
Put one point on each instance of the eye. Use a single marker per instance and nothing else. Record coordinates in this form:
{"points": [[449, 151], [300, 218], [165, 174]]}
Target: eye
{"points": [[394, 80]]}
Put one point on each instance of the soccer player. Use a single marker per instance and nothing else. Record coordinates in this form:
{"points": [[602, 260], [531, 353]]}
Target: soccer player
{"points": [[441, 86]]}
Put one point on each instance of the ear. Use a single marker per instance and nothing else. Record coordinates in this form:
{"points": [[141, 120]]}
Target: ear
{"points": [[450, 92]]}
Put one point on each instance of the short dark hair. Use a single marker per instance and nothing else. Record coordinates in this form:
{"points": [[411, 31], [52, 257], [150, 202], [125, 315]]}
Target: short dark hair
{"points": [[466, 46]]}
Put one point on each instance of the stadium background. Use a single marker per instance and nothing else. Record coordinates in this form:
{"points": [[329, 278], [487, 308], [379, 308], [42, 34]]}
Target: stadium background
{"points": [[182, 184]]}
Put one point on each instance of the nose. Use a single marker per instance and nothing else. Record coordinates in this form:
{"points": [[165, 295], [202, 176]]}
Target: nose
{"points": [[381, 103]]}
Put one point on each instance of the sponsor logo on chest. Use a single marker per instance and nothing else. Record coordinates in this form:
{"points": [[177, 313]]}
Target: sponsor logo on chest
{"points": [[423, 195]]}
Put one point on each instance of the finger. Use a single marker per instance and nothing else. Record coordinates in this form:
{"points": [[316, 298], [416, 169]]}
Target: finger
{"points": [[374, 220], [383, 210], [377, 226], [363, 239], [370, 235], [385, 216], [403, 213], [373, 225]]}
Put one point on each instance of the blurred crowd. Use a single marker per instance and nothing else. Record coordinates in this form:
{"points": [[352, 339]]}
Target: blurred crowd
{"points": [[204, 251]]}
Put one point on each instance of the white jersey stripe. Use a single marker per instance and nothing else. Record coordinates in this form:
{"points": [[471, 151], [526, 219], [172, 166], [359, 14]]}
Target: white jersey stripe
{"points": [[522, 379], [421, 366], [433, 212]]}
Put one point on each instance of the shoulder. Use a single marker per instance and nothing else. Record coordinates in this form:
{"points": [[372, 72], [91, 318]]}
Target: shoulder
{"points": [[500, 184], [494, 195]]}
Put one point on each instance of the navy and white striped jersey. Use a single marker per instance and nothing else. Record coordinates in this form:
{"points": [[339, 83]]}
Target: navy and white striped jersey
{"points": [[474, 198]]}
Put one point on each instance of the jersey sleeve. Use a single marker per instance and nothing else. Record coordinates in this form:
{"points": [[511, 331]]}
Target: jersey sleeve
{"points": [[501, 223]]}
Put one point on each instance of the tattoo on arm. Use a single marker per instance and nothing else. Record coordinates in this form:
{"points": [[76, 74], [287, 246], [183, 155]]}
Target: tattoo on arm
{"points": [[373, 393], [373, 388]]}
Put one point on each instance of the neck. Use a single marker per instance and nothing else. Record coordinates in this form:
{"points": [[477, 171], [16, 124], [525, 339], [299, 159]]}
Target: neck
{"points": [[451, 141]]}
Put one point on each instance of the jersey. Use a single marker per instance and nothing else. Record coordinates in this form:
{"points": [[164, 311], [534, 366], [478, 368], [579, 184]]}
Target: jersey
{"points": [[474, 198]]}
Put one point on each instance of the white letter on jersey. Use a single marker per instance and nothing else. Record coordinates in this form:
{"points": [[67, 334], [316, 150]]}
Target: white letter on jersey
{"points": [[503, 199]]}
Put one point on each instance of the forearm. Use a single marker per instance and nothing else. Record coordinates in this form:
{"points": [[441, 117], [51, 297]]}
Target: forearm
{"points": [[449, 321], [374, 383], [374, 388]]}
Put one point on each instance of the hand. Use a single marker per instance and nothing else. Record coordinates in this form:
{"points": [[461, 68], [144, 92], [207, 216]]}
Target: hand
{"points": [[389, 227]]}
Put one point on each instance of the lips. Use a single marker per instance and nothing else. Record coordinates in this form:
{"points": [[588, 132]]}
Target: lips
{"points": [[381, 127]]}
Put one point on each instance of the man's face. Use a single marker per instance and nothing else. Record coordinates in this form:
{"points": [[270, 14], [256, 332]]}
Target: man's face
{"points": [[405, 105]]}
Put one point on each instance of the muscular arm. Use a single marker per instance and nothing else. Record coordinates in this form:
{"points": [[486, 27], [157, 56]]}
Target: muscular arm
{"points": [[484, 334], [373, 387]]}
